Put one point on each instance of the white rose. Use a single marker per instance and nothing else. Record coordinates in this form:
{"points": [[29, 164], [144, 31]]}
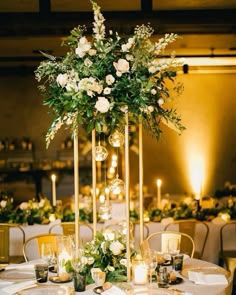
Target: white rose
{"points": [[116, 247], [62, 80], [23, 205], [122, 66], [102, 104], [3, 203], [110, 79], [153, 91], [107, 90]]}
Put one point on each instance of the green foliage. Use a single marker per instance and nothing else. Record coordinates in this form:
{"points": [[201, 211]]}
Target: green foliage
{"points": [[101, 78]]}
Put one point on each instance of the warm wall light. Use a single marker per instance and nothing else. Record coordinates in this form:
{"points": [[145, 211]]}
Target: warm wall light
{"points": [[196, 173]]}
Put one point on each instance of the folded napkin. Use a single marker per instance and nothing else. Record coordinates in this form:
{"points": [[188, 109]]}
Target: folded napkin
{"points": [[4, 282], [12, 289], [114, 291], [207, 279], [23, 266]]}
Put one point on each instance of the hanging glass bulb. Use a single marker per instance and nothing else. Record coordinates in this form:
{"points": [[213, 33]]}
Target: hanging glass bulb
{"points": [[116, 139], [101, 153], [117, 186]]}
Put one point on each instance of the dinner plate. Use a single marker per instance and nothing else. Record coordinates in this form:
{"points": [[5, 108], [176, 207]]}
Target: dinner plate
{"points": [[17, 275], [47, 290], [206, 270], [158, 291]]}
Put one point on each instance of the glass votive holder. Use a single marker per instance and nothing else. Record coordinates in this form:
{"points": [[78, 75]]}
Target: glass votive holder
{"points": [[41, 273], [79, 282], [178, 262], [162, 277]]}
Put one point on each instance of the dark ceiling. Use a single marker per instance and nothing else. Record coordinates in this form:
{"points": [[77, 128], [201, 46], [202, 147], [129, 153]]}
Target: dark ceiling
{"points": [[26, 26]]}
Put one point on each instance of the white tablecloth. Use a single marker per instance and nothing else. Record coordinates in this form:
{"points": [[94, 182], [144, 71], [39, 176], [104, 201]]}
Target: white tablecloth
{"points": [[186, 285]]}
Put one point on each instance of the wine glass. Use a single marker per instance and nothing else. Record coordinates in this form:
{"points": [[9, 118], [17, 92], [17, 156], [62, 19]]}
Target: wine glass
{"points": [[76, 259], [48, 254], [150, 258], [173, 247]]}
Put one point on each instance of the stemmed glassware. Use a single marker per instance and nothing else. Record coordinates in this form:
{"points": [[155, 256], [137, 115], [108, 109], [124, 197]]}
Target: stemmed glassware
{"points": [[48, 254], [173, 247], [150, 258]]}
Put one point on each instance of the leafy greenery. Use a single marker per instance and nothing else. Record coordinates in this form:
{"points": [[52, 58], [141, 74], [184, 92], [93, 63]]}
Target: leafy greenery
{"points": [[107, 254], [101, 78]]}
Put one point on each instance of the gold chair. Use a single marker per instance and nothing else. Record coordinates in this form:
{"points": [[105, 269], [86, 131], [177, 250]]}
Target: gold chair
{"points": [[197, 230], [227, 255], [5, 256], [32, 248], [159, 241], [85, 230]]}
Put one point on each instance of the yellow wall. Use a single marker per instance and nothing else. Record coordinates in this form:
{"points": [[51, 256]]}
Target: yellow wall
{"points": [[207, 107]]}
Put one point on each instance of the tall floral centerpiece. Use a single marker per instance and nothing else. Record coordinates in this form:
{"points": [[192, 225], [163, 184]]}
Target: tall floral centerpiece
{"points": [[106, 82]]}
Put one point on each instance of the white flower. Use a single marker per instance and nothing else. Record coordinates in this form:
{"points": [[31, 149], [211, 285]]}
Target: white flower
{"points": [[3, 203], [116, 247], [41, 203], [122, 66], [92, 52], [90, 260], [153, 91], [62, 80], [110, 79], [150, 109], [110, 268], [83, 47], [160, 101], [152, 69], [123, 262], [107, 90], [102, 104], [23, 205]]}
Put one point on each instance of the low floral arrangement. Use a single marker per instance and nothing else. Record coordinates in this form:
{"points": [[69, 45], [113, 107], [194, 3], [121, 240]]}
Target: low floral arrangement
{"points": [[109, 255], [32, 212], [6, 207], [103, 77]]}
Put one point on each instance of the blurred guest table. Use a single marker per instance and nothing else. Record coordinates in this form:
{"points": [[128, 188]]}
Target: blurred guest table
{"points": [[211, 253], [186, 286]]}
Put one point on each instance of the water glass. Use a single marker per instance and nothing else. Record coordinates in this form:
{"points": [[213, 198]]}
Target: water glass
{"points": [[79, 282], [41, 273], [99, 278], [178, 262]]}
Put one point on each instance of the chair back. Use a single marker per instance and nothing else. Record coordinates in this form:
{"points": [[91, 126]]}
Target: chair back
{"points": [[197, 230], [68, 228], [33, 247], [159, 241], [227, 255], [5, 242]]}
